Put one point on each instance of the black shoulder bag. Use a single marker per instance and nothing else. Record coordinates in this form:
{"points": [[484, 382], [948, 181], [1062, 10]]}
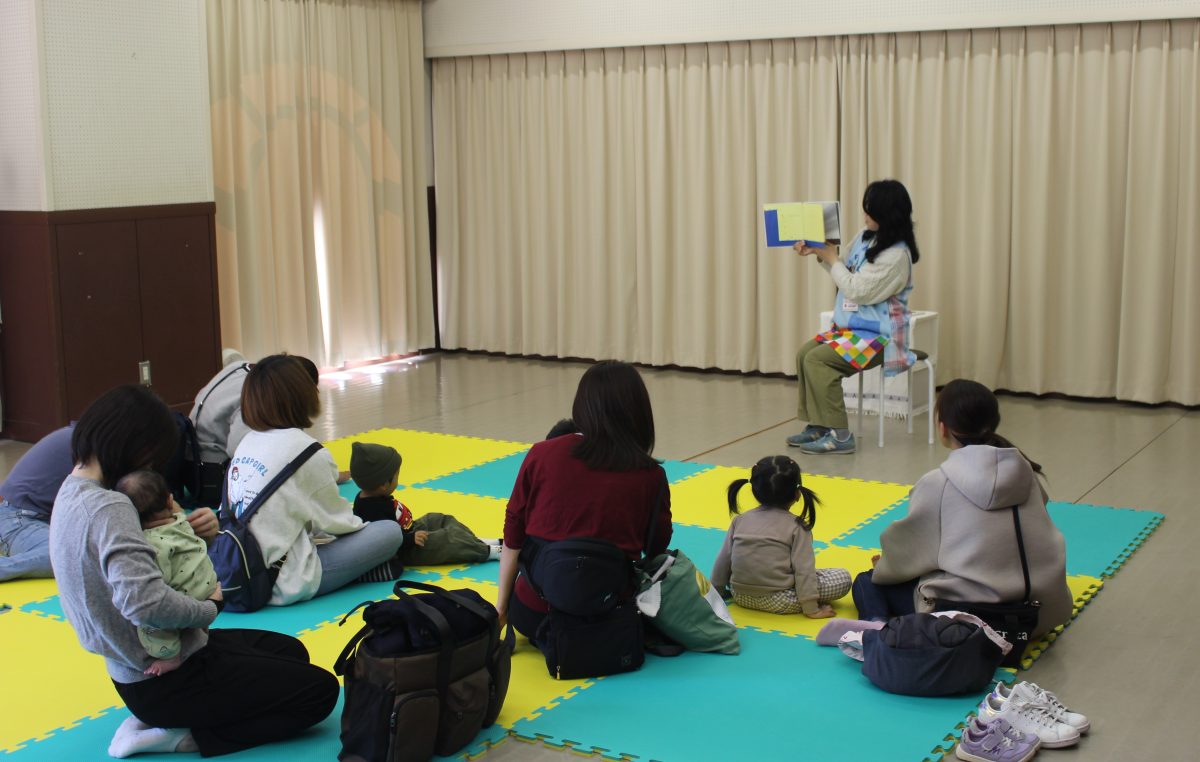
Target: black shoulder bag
{"points": [[1015, 622], [209, 478]]}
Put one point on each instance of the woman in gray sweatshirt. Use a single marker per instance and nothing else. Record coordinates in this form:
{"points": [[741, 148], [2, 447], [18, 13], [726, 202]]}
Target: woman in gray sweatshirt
{"points": [[958, 541], [234, 688]]}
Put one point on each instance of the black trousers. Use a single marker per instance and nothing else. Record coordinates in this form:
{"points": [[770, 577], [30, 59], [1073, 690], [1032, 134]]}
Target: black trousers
{"points": [[244, 689], [882, 602], [524, 619]]}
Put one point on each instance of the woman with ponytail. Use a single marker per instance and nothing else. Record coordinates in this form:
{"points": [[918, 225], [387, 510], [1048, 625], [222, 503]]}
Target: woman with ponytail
{"points": [[870, 316], [767, 559], [959, 542]]}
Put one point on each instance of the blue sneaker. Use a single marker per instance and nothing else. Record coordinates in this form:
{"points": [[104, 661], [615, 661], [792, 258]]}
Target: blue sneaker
{"points": [[828, 444], [811, 433]]}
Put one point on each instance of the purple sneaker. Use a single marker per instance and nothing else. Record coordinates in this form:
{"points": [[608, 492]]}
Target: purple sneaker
{"points": [[995, 742]]}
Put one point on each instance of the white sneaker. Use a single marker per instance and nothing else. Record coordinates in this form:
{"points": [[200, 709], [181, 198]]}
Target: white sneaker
{"points": [[1035, 694], [1029, 718]]}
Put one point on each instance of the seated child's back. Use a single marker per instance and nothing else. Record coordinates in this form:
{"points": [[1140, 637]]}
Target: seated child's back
{"points": [[767, 560]]}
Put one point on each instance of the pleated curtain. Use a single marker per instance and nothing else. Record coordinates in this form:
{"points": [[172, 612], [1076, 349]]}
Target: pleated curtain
{"points": [[607, 203], [318, 139]]}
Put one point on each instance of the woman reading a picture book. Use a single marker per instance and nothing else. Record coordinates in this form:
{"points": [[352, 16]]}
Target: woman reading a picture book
{"points": [[870, 319]]}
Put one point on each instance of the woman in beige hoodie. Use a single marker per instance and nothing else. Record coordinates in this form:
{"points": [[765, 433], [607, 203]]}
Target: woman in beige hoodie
{"points": [[958, 541]]}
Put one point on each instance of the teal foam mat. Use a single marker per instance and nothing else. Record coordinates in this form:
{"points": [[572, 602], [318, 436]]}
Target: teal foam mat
{"points": [[90, 738], [782, 698], [1098, 537], [497, 477]]}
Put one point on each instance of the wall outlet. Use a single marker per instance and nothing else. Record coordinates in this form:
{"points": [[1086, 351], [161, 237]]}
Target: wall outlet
{"points": [[144, 372]]}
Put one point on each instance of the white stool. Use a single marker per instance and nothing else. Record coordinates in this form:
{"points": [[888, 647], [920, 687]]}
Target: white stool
{"points": [[923, 333], [923, 360]]}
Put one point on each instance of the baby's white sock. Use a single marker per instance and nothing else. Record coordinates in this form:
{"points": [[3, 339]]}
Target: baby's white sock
{"points": [[494, 552], [136, 737]]}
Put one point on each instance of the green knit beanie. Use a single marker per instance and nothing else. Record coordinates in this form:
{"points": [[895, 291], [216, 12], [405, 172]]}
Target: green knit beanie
{"points": [[373, 465]]}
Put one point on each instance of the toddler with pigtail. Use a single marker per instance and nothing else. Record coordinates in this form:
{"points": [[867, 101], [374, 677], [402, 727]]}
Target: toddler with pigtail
{"points": [[767, 560]]}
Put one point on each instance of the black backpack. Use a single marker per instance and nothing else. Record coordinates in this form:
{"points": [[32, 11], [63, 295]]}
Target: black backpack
{"points": [[581, 576], [423, 676], [208, 479], [181, 470], [593, 627], [246, 580]]}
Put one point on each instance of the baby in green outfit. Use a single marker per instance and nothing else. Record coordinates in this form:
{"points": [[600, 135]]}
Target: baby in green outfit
{"points": [[182, 557]]}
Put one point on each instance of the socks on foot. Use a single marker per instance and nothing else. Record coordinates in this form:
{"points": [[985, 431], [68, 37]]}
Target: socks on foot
{"points": [[833, 630], [841, 435], [136, 737], [494, 552]]}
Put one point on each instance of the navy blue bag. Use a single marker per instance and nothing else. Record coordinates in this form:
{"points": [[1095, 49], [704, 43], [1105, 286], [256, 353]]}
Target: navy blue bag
{"points": [[246, 580], [927, 655]]}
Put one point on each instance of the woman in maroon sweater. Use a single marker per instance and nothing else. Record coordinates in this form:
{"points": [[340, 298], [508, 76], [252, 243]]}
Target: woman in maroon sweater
{"points": [[600, 483]]}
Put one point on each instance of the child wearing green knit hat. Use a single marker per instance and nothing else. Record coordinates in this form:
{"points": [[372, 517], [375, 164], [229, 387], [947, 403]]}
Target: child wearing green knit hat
{"points": [[435, 538]]}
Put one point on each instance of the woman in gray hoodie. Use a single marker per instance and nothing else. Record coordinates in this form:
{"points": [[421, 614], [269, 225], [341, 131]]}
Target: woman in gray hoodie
{"points": [[958, 541]]}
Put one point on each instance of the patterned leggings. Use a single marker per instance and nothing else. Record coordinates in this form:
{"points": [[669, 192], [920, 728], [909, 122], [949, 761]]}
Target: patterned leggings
{"points": [[831, 585]]}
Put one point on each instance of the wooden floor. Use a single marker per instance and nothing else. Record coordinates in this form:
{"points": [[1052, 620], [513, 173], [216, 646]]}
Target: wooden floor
{"points": [[1127, 662]]}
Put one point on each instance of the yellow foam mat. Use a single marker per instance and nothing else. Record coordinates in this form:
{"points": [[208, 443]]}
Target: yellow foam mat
{"points": [[427, 455], [18, 592], [49, 681], [484, 515], [854, 559], [701, 500], [1083, 589]]}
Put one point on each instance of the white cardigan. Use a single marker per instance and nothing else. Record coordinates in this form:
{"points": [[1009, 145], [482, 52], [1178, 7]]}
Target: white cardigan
{"points": [[308, 501]]}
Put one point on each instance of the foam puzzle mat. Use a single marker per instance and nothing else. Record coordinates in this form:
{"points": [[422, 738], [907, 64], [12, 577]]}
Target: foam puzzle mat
{"points": [[60, 705]]}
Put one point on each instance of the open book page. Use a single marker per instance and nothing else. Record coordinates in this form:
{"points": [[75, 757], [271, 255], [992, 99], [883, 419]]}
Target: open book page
{"points": [[813, 222]]}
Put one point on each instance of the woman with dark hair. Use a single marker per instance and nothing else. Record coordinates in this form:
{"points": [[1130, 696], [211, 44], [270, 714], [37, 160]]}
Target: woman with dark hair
{"points": [[307, 525], [958, 542], [235, 688], [870, 317], [601, 483]]}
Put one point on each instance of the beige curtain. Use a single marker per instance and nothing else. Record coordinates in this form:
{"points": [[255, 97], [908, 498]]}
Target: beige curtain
{"points": [[318, 135], [606, 203]]}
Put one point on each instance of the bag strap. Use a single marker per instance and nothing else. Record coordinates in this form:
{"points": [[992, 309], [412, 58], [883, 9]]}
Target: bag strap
{"points": [[272, 485], [1021, 550], [339, 666], [439, 621], [474, 607], [244, 366], [653, 528]]}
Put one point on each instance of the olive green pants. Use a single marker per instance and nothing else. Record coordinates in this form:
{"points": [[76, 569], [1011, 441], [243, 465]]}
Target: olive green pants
{"points": [[449, 542], [820, 371]]}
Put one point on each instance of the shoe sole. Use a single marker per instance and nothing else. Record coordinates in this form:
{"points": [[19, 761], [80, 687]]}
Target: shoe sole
{"points": [[969, 757], [790, 443], [828, 452], [1060, 744]]}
